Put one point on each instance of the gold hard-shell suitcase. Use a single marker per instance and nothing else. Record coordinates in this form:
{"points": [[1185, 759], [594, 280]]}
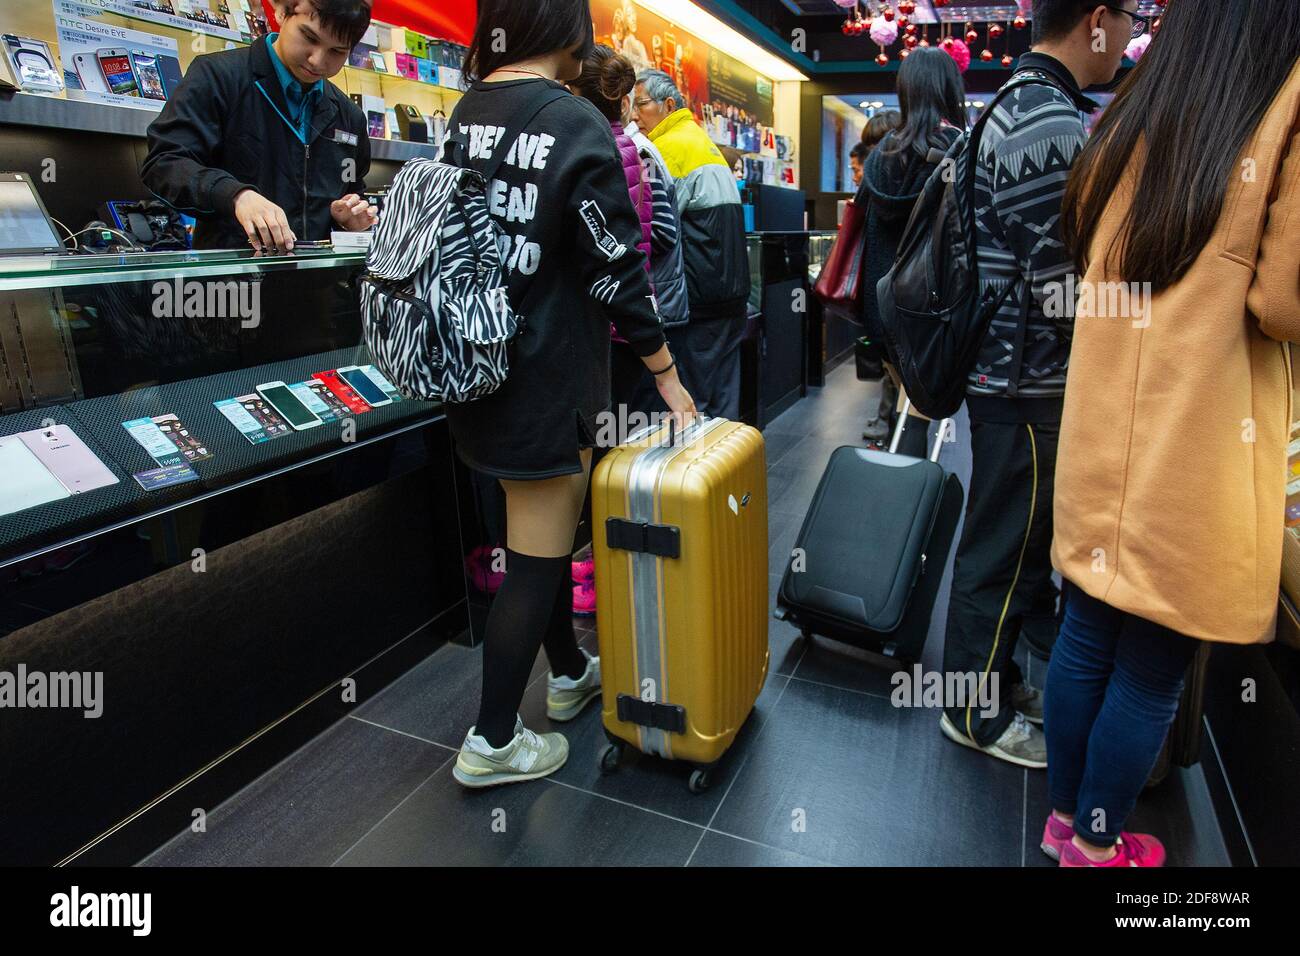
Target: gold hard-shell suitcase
{"points": [[679, 522]]}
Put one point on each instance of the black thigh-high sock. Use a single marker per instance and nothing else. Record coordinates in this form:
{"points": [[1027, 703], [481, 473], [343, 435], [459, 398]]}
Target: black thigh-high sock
{"points": [[561, 644], [515, 627]]}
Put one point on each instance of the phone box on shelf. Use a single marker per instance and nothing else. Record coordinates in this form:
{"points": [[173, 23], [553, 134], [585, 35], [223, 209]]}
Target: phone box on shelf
{"points": [[360, 56], [449, 77], [371, 106], [417, 44], [428, 71], [402, 64], [371, 36], [398, 42], [383, 35]]}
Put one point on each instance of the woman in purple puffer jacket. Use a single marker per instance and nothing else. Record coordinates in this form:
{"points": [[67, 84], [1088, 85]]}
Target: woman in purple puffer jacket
{"points": [[607, 80]]}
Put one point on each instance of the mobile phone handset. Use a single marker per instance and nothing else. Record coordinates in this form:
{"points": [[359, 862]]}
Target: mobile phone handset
{"points": [[362, 383], [280, 397]]}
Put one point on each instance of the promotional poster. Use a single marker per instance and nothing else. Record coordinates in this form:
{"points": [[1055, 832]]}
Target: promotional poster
{"points": [[706, 77]]}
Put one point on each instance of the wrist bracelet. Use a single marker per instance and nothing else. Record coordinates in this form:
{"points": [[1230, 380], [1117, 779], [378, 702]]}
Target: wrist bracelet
{"points": [[668, 368]]}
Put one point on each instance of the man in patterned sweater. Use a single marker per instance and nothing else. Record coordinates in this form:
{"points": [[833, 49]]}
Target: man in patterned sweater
{"points": [[1016, 389]]}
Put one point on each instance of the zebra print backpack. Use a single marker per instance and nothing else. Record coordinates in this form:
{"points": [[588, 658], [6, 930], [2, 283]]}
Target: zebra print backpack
{"points": [[434, 305]]}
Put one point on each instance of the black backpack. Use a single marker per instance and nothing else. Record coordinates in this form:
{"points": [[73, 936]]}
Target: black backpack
{"points": [[930, 307]]}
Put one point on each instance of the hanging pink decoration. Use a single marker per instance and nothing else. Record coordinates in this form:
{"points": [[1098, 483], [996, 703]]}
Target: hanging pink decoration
{"points": [[846, 4], [1026, 7], [960, 53], [1137, 47], [884, 32]]}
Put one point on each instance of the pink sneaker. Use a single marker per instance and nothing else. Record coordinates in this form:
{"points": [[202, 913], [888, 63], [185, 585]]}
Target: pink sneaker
{"points": [[584, 572], [1134, 849], [584, 599], [1056, 832]]}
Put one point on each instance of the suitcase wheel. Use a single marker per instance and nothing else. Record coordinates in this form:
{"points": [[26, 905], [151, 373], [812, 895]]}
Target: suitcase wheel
{"points": [[699, 781], [611, 757]]}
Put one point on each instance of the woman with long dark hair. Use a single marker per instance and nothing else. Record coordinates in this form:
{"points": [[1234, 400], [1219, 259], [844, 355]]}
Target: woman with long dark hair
{"points": [[876, 129], [1171, 469], [569, 240], [932, 101]]}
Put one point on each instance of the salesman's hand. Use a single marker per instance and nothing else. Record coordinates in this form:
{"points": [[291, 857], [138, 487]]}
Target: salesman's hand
{"points": [[263, 222], [353, 213]]}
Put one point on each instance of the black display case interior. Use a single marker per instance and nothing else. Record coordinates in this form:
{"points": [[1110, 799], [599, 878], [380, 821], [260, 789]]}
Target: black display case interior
{"points": [[209, 610]]}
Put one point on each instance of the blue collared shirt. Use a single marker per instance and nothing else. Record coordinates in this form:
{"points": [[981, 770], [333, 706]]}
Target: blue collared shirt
{"points": [[301, 99]]}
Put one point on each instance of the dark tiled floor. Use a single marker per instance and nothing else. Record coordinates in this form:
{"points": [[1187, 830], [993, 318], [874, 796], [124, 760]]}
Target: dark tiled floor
{"points": [[827, 771]]}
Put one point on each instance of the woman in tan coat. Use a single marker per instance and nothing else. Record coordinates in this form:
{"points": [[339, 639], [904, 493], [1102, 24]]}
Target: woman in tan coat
{"points": [[1184, 215]]}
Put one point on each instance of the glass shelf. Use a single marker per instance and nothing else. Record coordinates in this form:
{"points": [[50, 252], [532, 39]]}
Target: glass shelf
{"points": [[48, 272]]}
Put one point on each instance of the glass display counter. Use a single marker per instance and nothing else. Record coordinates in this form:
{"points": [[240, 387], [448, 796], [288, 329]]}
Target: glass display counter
{"points": [[107, 362]]}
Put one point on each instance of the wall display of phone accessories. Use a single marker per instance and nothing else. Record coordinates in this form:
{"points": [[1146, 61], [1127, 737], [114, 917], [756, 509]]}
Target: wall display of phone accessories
{"points": [[111, 65], [30, 65], [397, 51]]}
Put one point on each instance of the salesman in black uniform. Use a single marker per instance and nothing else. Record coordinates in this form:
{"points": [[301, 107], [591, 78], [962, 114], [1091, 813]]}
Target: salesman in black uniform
{"points": [[258, 145]]}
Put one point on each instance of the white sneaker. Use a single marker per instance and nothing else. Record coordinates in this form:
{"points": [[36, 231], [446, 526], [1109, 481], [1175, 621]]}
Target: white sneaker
{"points": [[566, 697], [527, 757], [1021, 743]]}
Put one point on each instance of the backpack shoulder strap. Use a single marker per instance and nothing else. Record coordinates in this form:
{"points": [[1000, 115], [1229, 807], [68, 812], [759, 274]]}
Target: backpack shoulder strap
{"points": [[540, 99], [1023, 78]]}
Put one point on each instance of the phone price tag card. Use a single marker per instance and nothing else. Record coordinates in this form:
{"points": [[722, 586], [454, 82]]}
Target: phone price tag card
{"points": [[166, 477], [254, 418], [151, 438]]}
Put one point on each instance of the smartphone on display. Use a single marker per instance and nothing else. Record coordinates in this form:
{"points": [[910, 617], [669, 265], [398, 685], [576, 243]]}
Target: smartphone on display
{"points": [[150, 77], [356, 376], [170, 68], [280, 397], [116, 66], [87, 67], [67, 458], [345, 392], [24, 481], [378, 378]]}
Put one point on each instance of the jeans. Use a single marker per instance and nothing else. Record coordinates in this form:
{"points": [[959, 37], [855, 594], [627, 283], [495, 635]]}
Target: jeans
{"points": [[1112, 691]]}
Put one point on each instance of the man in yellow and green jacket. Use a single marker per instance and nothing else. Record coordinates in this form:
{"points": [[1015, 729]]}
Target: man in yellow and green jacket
{"points": [[713, 246]]}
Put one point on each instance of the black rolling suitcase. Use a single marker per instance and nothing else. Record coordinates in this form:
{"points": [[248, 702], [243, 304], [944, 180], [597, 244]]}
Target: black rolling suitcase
{"points": [[866, 566]]}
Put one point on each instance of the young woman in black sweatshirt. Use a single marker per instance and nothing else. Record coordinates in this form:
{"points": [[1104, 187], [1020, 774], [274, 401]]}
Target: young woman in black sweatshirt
{"points": [[569, 240]]}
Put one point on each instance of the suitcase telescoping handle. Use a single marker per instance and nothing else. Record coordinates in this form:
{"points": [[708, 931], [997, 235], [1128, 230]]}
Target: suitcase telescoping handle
{"points": [[944, 427]]}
